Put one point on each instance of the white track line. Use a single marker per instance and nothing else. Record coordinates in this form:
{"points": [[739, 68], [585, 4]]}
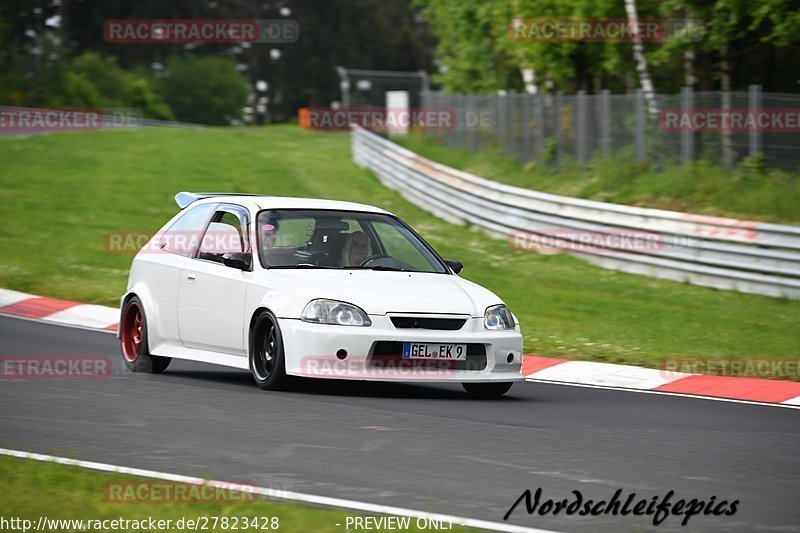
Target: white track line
{"points": [[667, 393], [273, 494]]}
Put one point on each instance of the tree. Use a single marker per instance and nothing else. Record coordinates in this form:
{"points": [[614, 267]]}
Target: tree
{"points": [[480, 49], [92, 80], [368, 34], [738, 43], [641, 60], [471, 52], [204, 90], [360, 34]]}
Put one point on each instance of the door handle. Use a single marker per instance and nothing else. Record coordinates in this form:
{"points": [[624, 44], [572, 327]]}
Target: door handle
{"points": [[191, 277]]}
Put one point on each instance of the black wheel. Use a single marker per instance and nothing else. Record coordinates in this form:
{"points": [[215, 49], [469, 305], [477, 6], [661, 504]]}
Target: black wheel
{"points": [[267, 362], [487, 390], [133, 339]]}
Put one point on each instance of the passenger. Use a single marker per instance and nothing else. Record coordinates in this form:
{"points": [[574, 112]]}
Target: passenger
{"points": [[355, 249]]}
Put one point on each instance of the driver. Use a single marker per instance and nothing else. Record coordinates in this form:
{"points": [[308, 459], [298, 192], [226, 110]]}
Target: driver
{"points": [[355, 249], [269, 233]]}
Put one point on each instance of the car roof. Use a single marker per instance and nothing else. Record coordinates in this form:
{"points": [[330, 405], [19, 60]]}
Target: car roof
{"points": [[274, 202]]}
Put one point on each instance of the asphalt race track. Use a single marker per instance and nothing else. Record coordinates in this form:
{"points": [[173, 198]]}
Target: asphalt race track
{"points": [[420, 447]]}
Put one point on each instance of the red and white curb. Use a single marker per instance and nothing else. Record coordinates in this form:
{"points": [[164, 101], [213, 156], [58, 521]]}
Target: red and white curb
{"points": [[654, 381], [540, 369], [60, 311]]}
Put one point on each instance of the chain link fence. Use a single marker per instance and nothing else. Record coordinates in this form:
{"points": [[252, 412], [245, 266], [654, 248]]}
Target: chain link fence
{"points": [[559, 129]]}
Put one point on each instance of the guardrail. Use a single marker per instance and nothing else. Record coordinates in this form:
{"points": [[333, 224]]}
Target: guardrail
{"points": [[723, 253]]}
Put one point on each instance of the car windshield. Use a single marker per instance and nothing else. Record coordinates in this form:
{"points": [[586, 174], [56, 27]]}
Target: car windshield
{"points": [[294, 238]]}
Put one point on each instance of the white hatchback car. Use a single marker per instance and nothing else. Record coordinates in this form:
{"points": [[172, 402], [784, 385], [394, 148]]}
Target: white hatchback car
{"points": [[313, 288]]}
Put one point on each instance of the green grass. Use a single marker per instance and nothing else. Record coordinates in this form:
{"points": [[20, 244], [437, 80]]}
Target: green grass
{"points": [[33, 489], [768, 195], [62, 193]]}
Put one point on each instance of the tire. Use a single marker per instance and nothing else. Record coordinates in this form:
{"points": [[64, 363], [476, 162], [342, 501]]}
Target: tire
{"points": [[266, 358], [133, 341], [487, 390]]}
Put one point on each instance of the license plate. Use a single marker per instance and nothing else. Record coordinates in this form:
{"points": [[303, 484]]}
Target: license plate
{"points": [[421, 350]]}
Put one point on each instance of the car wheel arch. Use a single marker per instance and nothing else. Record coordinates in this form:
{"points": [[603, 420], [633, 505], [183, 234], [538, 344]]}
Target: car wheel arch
{"points": [[149, 313], [257, 313]]}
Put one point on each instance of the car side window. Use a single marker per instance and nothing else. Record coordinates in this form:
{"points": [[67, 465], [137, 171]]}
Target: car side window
{"points": [[183, 235], [225, 234]]}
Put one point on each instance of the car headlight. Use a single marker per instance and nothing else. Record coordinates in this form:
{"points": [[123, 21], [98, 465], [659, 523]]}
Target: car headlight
{"points": [[323, 311], [498, 317]]}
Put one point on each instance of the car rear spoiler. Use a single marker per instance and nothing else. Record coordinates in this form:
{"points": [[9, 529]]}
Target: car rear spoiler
{"points": [[185, 198]]}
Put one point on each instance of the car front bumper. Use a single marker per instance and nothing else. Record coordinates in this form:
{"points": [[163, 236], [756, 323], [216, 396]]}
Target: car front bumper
{"points": [[311, 351]]}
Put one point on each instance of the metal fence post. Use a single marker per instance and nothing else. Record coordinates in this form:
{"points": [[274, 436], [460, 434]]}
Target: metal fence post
{"points": [[471, 120], [580, 133], [511, 118], [687, 137], [605, 123], [526, 150], [461, 105], [500, 104], [559, 136], [452, 135], [442, 100], [639, 130], [540, 124], [754, 135], [481, 105]]}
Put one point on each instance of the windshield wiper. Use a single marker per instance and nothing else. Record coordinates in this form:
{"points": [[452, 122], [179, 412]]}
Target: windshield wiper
{"points": [[383, 267]]}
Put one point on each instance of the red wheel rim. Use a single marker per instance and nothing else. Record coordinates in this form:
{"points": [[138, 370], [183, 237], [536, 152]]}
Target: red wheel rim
{"points": [[132, 332]]}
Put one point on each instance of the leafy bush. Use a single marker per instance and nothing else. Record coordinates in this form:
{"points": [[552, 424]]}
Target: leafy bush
{"points": [[204, 90], [94, 80]]}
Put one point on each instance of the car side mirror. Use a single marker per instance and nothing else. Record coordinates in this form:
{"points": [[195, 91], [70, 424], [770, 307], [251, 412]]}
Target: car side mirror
{"points": [[454, 265], [240, 260]]}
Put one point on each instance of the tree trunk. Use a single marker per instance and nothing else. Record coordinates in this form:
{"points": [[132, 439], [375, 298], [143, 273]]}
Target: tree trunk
{"points": [[725, 85], [529, 79], [641, 61], [688, 69], [689, 78]]}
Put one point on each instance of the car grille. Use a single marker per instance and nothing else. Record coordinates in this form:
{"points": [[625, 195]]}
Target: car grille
{"points": [[421, 322], [385, 353]]}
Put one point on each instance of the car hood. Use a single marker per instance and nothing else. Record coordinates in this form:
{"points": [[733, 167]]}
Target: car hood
{"points": [[380, 292]]}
